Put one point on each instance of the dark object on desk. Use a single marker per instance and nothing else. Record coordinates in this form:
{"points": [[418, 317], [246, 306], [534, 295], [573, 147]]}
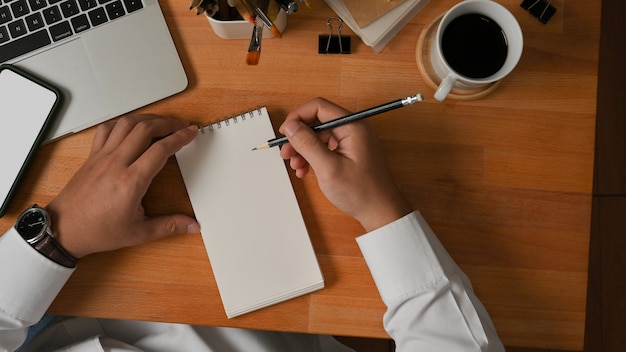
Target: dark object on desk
{"points": [[289, 6], [540, 9], [334, 44], [28, 106], [209, 6]]}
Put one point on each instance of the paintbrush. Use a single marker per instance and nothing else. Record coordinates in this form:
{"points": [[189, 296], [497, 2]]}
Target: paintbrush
{"points": [[194, 4], [275, 31], [244, 9], [261, 11], [202, 6], [254, 50]]}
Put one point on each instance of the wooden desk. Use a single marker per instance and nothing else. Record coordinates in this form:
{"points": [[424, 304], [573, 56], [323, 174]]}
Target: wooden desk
{"points": [[505, 181]]}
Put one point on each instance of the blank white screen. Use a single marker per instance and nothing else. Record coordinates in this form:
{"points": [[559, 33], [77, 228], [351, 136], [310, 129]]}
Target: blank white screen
{"points": [[24, 107]]}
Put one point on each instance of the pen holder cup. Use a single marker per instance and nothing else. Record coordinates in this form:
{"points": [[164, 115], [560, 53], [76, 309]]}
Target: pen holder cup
{"points": [[241, 29]]}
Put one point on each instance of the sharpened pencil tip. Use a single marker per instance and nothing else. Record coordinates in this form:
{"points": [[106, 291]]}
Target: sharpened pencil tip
{"points": [[262, 146]]}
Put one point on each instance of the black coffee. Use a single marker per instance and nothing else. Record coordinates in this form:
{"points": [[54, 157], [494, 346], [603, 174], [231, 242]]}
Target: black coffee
{"points": [[474, 45]]}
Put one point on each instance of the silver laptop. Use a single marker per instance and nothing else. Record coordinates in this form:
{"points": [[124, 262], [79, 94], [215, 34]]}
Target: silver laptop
{"points": [[108, 57]]}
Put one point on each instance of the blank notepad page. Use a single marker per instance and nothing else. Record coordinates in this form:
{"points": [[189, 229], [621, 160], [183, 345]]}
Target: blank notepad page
{"points": [[250, 221]]}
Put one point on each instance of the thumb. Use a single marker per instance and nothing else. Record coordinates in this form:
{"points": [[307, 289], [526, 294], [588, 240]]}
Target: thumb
{"points": [[164, 226], [307, 143]]}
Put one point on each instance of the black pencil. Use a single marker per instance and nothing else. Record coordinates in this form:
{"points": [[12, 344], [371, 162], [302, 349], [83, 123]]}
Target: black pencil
{"points": [[351, 118]]}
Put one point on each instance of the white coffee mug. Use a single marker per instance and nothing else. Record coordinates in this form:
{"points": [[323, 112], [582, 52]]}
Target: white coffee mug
{"points": [[490, 12]]}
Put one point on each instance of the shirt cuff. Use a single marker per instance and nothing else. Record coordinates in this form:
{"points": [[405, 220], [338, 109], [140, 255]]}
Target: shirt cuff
{"points": [[29, 281], [405, 257]]}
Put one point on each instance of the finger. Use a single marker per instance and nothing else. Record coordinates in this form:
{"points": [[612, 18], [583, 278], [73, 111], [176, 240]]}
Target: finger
{"points": [[287, 151], [332, 143], [148, 165], [122, 128], [169, 225], [143, 135], [302, 170], [102, 134], [298, 162], [308, 144], [316, 110]]}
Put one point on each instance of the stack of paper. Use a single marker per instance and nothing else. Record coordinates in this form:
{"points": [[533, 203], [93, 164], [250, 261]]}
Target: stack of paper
{"points": [[376, 22]]}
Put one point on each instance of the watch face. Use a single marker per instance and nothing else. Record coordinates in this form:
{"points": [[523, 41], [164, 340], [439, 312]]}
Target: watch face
{"points": [[31, 224]]}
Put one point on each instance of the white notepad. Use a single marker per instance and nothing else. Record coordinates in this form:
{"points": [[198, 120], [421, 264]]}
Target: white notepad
{"points": [[252, 227]]}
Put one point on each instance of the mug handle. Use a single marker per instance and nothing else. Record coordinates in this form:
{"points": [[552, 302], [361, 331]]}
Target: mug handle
{"points": [[445, 87]]}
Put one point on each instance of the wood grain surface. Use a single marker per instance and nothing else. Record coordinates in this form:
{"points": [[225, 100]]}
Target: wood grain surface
{"points": [[505, 181]]}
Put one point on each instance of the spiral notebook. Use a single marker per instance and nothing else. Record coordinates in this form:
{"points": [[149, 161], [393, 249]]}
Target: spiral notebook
{"points": [[251, 225]]}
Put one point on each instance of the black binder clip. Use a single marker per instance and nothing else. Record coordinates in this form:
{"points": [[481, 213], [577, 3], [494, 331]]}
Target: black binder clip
{"points": [[334, 44], [542, 9]]}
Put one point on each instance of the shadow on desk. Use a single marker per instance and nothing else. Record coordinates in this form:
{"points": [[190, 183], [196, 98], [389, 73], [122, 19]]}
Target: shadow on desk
{"points": [[606, 308], [367, 345], [382, 345]]}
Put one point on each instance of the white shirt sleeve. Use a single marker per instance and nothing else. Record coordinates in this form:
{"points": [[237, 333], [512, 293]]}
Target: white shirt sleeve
{"points": [[29, 282], [430, 302]]}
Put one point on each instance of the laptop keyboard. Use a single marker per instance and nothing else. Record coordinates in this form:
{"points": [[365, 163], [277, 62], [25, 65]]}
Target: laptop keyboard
{"points": [[27, 25]]}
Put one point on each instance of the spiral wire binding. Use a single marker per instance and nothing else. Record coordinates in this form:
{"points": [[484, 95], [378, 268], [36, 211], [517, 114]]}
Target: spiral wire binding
{"points": [[226, 121]]}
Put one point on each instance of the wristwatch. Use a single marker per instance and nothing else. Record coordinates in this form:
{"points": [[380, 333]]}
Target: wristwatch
{"points": [[34, 227]]}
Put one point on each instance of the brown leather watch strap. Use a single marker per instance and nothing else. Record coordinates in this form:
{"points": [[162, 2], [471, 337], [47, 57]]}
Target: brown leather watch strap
{"points": [[51, 249]]}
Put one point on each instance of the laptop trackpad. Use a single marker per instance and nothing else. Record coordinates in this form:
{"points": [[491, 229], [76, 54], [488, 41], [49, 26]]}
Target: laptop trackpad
{"points": [[73, 74]]}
